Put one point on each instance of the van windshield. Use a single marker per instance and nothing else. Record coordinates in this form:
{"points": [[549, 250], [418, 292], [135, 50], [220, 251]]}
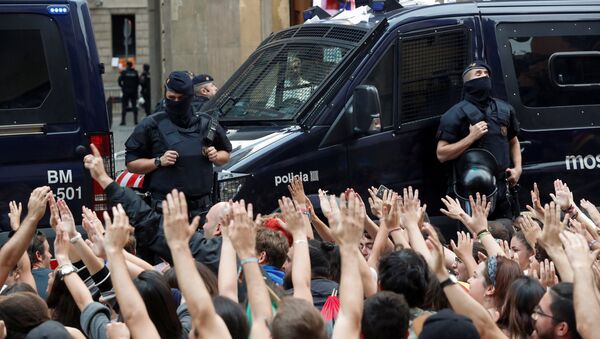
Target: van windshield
{"points": [[278, 80]]}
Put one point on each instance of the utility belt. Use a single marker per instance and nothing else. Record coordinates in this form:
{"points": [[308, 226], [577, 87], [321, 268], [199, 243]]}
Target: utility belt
{"points": [[197, 205]]}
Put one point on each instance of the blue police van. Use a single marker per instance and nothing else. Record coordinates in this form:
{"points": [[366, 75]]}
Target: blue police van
{"points": [[51, 104], [355, 101]]}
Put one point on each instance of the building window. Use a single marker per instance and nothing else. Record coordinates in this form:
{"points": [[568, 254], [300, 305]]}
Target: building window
{"points": [[123, 35], [431, 65]]}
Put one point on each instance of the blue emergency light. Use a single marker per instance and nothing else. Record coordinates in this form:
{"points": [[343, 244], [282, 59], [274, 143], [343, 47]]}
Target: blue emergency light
{"points": [[58, 9]]}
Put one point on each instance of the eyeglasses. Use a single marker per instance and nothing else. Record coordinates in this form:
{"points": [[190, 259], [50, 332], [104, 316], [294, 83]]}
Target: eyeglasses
{"points": [[537, 312]]}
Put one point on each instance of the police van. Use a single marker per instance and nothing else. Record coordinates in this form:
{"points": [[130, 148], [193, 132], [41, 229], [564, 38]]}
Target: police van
{"points": [[355, 100], [51, 104]]}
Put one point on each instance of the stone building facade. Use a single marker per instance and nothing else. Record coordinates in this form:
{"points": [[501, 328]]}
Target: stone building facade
{"points": [[203, 36]]}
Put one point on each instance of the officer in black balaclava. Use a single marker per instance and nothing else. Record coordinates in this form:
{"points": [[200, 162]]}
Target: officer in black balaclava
{"points": [[172, 149], [481, 121]]}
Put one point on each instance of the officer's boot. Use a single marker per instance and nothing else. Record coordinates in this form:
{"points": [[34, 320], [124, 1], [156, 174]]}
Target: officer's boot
{"points": [[123, 118], [135, 121]]}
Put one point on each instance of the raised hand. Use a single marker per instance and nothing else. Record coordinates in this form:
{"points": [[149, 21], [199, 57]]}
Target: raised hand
{"points": [[94, 163], [296, 188], [552, 226], [95, 239], [464, 249], [67, 222], [15, 214], [293, 217], [375, 202], [178, 230], [536, 205], [592, 211], [548, 277], [563, 196], [577, 250], [36, 207], [330, 208], [453, 209], [531, 230], [411, 210], [349, 231], [92, 218], [390, 217], [54, 213], [242, 230], [117, 230]]}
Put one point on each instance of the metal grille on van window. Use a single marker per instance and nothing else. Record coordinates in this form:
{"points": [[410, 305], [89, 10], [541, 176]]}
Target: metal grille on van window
{"points": [[279, 80], [431, 73], [346, 34], [343, 33]]}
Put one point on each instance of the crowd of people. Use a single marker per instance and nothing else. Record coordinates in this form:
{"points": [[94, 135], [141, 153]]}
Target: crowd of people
{"points": [[373, 270]]}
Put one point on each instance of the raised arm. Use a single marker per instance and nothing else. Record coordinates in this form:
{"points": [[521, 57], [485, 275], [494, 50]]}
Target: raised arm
{"points": [[550, 240], [178, 232], [136, 317], [11, 252], [296, 189], [242, 231], [460, 300], [227, 278], [476, 222], [464, 251], [348, 233], [585, 300], [301, 259], [81, 294], [410, 216], [389, 220]]}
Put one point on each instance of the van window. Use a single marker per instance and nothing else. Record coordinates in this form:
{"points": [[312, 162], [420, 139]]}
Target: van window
{"points": [[35, 77], [382, 77], [26, 83], [431, 64], [280, 80], [572, 69], [549, 74]]}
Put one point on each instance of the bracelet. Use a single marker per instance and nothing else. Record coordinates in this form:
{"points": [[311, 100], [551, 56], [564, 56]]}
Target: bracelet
{"points": [[75, 238], [300, 241], [592, 244], [570, 209], [394, 230], [481, 234], [248, 260]]}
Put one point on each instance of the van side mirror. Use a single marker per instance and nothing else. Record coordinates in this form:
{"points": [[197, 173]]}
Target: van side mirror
{"points": [[365, 107]]}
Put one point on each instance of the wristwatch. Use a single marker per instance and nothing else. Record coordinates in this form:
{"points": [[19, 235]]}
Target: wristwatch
{"points": [[157, 162], [450, 281], [67, 269]]}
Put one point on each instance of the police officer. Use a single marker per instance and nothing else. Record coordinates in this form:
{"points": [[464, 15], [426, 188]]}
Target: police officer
{"points": [[129, 82], [204, 90], [173, 149], [480, 121], [145, 90]]}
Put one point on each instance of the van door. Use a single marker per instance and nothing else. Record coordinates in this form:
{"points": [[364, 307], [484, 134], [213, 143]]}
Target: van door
{"points": [[551, 68], [39, 129], [429, 59]]}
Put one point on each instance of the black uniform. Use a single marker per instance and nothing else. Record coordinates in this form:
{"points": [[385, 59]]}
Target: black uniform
{"points": [[198, 102], [192, 173], [502, 127], [145, 90], [129, 82]]}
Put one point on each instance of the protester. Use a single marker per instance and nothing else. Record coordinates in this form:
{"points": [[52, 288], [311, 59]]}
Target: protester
{"points": [[218, 281]]}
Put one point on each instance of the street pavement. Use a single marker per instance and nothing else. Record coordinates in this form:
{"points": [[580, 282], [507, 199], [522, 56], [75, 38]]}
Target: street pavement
{"points": [[121, 133]]}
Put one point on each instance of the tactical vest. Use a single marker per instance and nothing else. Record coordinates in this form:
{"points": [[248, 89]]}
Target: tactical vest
{"points": [[192, 173], [496, 139]]}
